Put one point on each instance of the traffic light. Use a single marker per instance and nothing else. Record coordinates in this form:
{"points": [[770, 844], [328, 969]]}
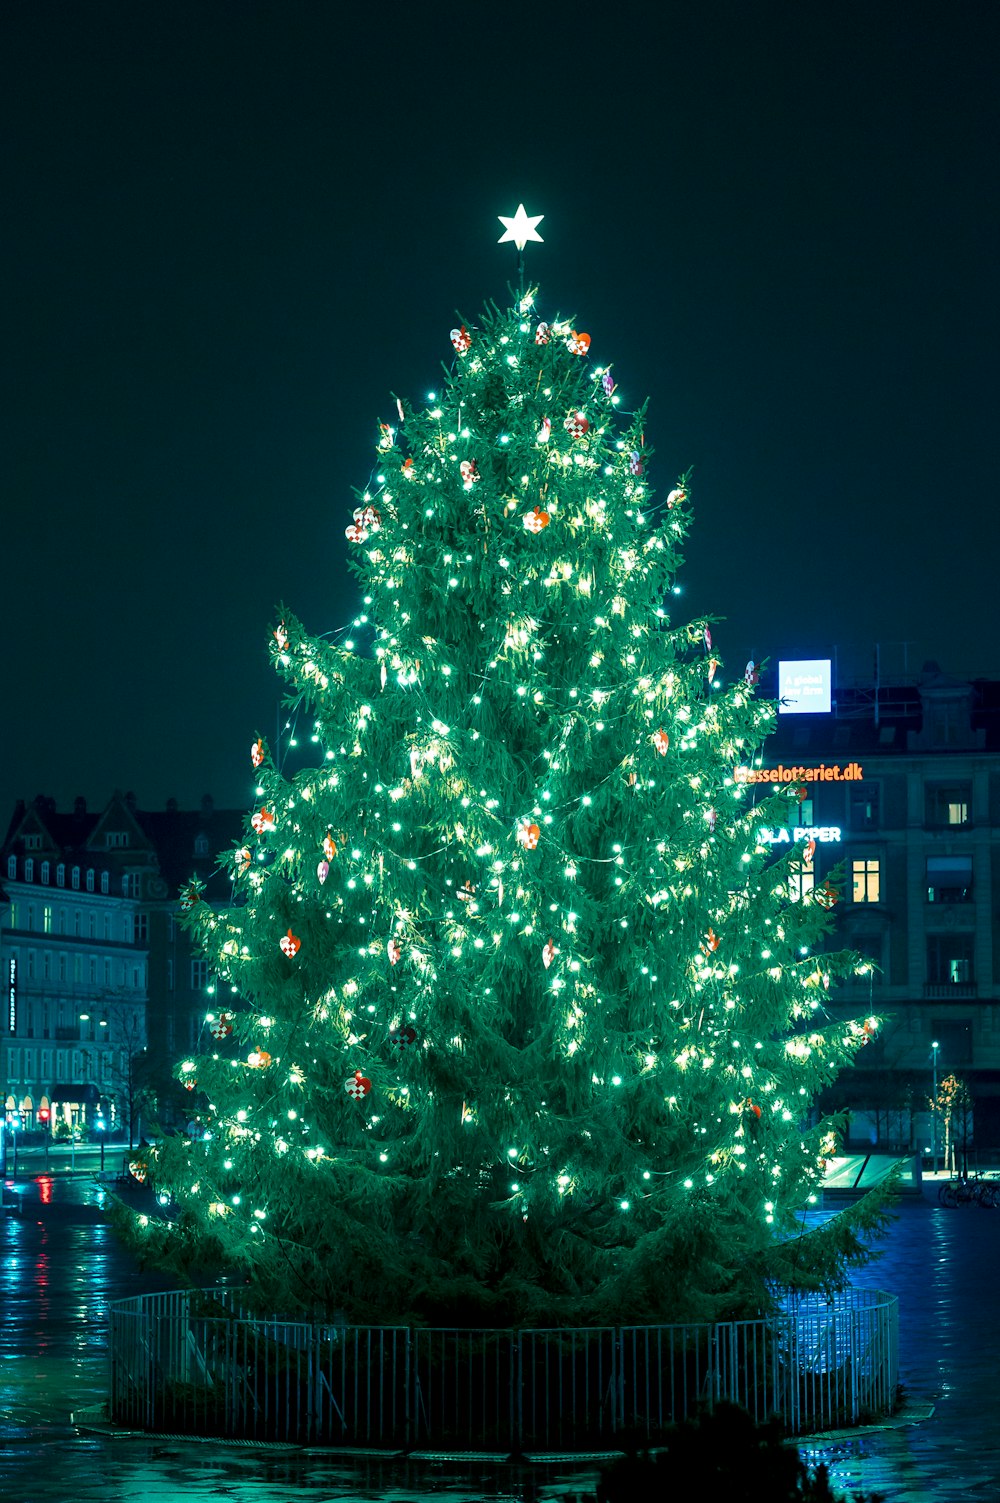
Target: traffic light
{"points": [[43, 1114]]}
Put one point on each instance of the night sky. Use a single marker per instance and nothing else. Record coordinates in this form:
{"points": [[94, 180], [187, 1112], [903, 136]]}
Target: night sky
{"points": [[231, 230]]}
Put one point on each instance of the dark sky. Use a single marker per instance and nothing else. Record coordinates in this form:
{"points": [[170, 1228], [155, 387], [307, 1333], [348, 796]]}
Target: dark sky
{"points": [[230, 230]]}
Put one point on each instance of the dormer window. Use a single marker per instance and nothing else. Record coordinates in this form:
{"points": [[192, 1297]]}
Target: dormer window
{"points": [[60, 875], [33, 842], [90, 879], [29, 869], [75, 878], [115, 839], [45, 872], [12, 867], [104, 882]]}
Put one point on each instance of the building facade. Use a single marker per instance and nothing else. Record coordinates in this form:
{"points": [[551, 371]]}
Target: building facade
{"points": [[902, 800], [103, 993]]}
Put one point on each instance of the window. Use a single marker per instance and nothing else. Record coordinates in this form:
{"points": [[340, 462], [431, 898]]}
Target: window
{"points": [[801, 879], [31, 964], [47, 919], [170, 973], [115, 839], [92, 925], [107, 926], [866, 874], [15, 915], [199, 975], [12, 866], [45, 872], [806, 812], [31, 916], [136, 977], [78, 923], [90, 879], [955, 1038], [93, 970], [949, 879], [61, 1063], [45, 1067], [948, 803], [949, 959], [33, 842], [46, 965], [77, 968], [130, 885], [62, 967], [29, 869], [864, 806], [61, 875], [105, 882], [142, 928], [75, 878], [62, 921], [107, 972]]}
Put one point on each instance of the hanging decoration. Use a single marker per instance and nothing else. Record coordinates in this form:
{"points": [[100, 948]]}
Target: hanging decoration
{"points": [[470, 471], [189, 897], [258, 1059], [243, 858], [401, 1038], [578, 344], [545, 432], [407, 469], [323, 871], [257, 752], [280, 635], [357, 1086], [661, 741], [329, 846], [386, 437], [750, 674], [535, 520], [827, 895], [675, 497], [461, 339], [528, 834], [710, 943], [577, 425], [635, 464], [393, 951], [752, 1106], [549, 954], [290, 944], [138, 1170], [221, 1027], [263, 821], [713, 668], [543, 333], [608, 383]]}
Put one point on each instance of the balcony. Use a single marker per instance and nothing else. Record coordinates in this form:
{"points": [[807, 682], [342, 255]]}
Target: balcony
{"points": [[949, 991]]}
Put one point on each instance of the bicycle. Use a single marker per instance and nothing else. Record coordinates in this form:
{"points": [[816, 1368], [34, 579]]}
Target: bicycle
{"points": [[976, 1190]]}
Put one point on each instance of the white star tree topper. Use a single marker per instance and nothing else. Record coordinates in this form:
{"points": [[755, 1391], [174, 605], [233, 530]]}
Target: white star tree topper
{"points": [[521, 228]]}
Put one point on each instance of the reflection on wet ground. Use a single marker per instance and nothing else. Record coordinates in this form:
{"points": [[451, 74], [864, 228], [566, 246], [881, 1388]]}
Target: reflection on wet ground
{"points": [[60, 1267]]}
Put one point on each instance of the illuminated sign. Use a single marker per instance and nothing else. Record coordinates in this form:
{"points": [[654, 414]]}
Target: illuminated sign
{"points": [[12, 995], [804, 687], [822, 834], [826, 772]]}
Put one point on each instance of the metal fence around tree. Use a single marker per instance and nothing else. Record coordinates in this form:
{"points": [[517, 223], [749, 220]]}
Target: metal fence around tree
{"points": [[195, 1362]]}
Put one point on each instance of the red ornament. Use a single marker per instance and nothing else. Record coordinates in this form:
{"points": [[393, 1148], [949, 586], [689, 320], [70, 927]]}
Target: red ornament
{"points": [[827, 895], [393, 951], [578, 344], [676, 496], [707, 634], [536, 520], [809, 852], [635, 463], [263, 821], [402, 1038], [407, 469], [221, 1027], [357, 1086], [713, 668], [544, 433], [188, 899], [710, 943], [290, 944], [661, 741], [329, 846], [257, 753], [577, 425], [138, 1170], [466, 892], [243, 858], [528, 835], [355, 533], [461, 339], [470, 471], [385, 437], [753, 1107], [548, 954], [280, 635], [543, 334], [258, 1059]]}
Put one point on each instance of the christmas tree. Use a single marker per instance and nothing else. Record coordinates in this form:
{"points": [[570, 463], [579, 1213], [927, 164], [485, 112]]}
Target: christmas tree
{"points": [[516, 1017]]}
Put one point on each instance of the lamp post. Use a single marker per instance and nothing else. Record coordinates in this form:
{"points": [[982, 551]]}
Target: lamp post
{"points": [[935, 1046]]}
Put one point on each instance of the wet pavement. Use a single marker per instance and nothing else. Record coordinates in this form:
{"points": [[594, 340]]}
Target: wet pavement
{"points": [[60, 1267]]}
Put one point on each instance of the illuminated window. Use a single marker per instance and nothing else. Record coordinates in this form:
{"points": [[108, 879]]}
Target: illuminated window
{"points": [[866, 872], [864, 806], [948, 803], [950, 960], [47, 919]]}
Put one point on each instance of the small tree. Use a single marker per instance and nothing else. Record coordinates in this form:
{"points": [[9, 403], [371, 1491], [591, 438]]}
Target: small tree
{"points": [[953, 1108]]}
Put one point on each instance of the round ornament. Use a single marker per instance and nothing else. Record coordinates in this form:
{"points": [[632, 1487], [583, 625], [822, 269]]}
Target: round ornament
{"points": [[221, 1027], [535, 520], [461, 339], [577, 425], [357, 1086]]}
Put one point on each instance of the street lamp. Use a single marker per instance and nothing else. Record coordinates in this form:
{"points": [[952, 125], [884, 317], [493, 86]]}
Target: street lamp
{"points": [[935, 1046]]}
